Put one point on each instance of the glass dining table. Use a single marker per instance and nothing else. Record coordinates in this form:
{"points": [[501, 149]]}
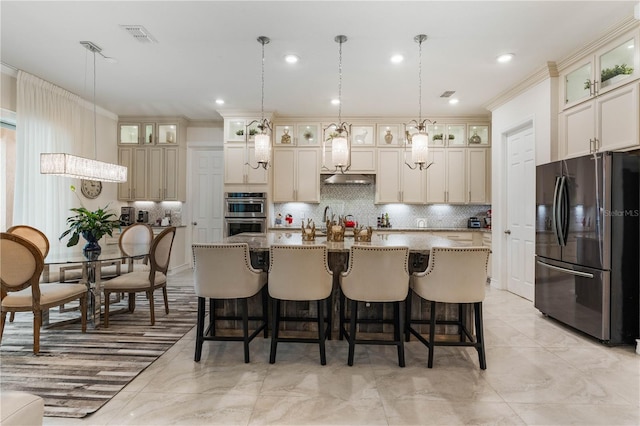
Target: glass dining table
{"points": [[60, 256]]}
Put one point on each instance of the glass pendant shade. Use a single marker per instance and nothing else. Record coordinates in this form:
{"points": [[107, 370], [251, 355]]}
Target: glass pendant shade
{"points": [[339, 151], [61, 164], [263, 148], [419, 148]]}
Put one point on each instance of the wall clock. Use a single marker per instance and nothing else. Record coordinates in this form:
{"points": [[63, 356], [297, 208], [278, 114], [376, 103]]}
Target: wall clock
{"points": [[90, 188]]}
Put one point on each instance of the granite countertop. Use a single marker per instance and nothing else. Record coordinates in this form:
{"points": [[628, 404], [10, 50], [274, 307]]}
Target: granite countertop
{"points": [[297, 228], [416, 243]]}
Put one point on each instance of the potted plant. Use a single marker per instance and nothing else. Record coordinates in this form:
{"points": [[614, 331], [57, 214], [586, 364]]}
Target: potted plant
{"points": [[609, 73], [240, 132], [92, 225]]}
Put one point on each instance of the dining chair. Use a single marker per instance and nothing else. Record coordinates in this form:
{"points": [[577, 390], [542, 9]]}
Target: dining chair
{"points": [[455, 275], [144, 281], [21, 264], [136, 234], [374, 275], [300, 273], [224, 272]]}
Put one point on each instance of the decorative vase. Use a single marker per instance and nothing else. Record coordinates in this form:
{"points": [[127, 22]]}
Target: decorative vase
{"points": [[286, 137], [388, 138], [92, 248], [475, 138]]}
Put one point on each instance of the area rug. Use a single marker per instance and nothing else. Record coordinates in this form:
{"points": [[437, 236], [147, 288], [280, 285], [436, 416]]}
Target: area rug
{"points": [[78, 373]]}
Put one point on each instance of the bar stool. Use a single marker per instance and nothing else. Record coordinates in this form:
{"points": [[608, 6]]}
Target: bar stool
{"points": [[453, 275], [300, 273], [224, 272], [375, 274]]}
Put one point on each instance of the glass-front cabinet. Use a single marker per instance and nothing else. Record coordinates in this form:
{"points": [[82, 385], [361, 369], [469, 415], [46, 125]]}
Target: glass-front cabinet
{"points": [[167, 133], [610, 67], [147, 133], [478, 135], [447, 134], [129, 134]]}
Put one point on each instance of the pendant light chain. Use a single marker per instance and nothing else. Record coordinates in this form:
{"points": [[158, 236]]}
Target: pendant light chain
{"points": [[262, 99], [340, 83], [420, 81], [95, 130]]}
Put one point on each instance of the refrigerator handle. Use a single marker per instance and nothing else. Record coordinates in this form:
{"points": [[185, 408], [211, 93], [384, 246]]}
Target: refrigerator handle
{"points": [[565, 270], [555, 210], [565, 211]]}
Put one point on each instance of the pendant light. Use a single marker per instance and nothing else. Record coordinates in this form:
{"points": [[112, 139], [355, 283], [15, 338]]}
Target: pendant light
{"points": [[63, 164], [419, 141], [339, 132], [262, 143]]}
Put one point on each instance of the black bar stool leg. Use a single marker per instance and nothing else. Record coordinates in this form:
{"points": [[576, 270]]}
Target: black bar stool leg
{"points": [[397, 332], [407, 319], [480, 335], [321, 336], [212, 317], [265, 310], [200, 328], [342, 318], [432, 334], [352, 331], [245, 328], [275, 320]]}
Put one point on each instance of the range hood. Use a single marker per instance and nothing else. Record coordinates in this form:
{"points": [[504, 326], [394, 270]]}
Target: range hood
{"points": [[348, 179]]}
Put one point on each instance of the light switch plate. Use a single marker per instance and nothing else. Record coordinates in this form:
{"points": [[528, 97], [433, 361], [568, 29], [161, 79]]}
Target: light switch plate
{"points": [[421, 222]]}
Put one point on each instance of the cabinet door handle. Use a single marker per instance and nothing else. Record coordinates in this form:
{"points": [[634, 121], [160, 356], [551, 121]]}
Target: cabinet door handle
{"points": [[591, 149], [129, 194], [597, 143], [469, 196], [399, 195]]}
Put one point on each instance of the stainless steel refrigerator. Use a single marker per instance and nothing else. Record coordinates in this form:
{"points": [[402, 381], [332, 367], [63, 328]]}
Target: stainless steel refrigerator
{"points": [[587, 244]]}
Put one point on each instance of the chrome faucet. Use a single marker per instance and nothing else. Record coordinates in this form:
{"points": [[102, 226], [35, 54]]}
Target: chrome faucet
{"points": [[326, 217]]}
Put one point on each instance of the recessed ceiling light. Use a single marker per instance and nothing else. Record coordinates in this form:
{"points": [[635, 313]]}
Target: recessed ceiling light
{"points": [[396, 59], [220, 101], [453, 101], [335, 101], [503, 59], [291, 59]]}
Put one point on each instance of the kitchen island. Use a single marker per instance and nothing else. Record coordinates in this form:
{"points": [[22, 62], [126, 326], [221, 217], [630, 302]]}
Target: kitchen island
{"points": [[419, 244]]}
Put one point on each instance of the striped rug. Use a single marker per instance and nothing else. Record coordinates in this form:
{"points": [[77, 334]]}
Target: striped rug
{"points": [[77, 373]]}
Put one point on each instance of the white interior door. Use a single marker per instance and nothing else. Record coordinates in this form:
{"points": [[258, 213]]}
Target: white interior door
{"points": [[207, 175], [520, 231]]}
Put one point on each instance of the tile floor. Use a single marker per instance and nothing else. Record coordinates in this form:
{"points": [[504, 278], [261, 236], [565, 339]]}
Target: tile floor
{"points": [[539, 373]]}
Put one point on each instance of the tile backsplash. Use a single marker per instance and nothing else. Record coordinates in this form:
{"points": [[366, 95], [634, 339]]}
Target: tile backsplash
{"points": [[159, 210], [358, 200]]}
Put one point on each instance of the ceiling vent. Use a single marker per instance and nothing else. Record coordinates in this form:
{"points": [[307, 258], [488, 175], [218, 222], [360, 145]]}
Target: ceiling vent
{"points": [[140, 33], [447, 94]]}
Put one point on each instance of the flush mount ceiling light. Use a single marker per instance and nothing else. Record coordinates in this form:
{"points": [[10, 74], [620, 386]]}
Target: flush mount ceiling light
{"points": [[419, 141], [396, 59], [63, 164], [291, 58], [262, 141], [507, 57], [338, 133]]}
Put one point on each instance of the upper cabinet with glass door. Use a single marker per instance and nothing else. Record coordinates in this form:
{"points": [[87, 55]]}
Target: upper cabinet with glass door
{"points": [[147, 134], [615, 64], [447, 134]]}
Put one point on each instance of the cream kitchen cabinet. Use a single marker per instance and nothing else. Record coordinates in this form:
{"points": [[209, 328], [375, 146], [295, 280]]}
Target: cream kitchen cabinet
{"points": [[609, 122], [606, 69], [447, 176], [396, 182], [478, 175], [165, 177], [236, 169], [296, 175], [155, 174], [363, 160], [135, 159]]}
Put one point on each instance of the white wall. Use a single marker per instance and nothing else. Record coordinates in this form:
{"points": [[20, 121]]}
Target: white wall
{"points": [[537, 105]]}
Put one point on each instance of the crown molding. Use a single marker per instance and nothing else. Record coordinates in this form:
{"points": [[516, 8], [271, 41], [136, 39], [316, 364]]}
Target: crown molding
{"points": [[548, 71], [628, 25]]}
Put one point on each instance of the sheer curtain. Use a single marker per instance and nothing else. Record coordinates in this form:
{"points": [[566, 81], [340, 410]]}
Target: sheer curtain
{"points": [[48, 119]]}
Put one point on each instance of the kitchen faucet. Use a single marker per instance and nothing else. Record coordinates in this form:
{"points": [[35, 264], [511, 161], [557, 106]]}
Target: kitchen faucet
{"points": [[326, 217]]}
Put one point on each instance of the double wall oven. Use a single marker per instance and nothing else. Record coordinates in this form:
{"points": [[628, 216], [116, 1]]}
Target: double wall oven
{"points": [[245, 212]]}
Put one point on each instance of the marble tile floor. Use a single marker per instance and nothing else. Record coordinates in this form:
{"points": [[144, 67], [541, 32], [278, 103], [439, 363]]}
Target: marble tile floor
{"points": [[539, 373]]}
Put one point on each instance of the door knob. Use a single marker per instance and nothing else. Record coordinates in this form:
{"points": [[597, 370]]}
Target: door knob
{"points": [[194, 223], [508, 232]]}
